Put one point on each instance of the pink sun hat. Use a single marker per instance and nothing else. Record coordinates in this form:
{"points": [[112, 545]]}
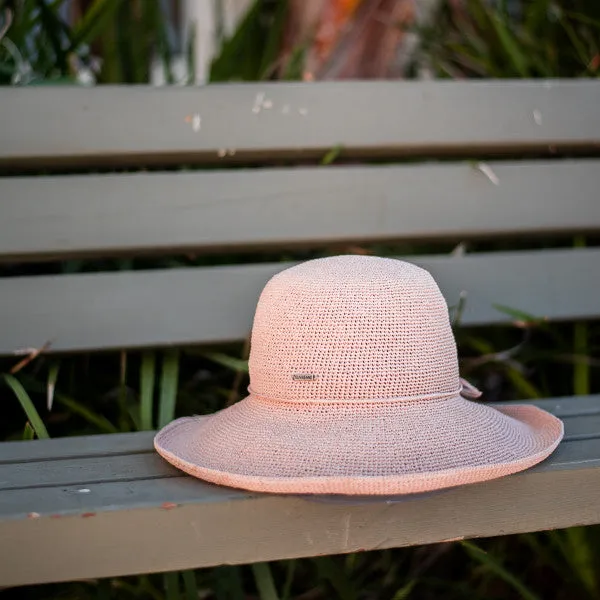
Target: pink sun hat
{"points": [[355, 390]]}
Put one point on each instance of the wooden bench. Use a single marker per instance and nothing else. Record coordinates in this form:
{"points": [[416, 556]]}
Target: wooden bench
{"points": [[505, 159]]}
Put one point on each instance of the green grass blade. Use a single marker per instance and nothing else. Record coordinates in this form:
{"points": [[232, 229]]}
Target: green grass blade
{"points": [[126, 31], [581, 370], [331, 571], [97, 16], [580, 555], [235, 364], [163, 45], [145, 588], [521, 317], [27, 405], [294, 67], [404, 592], [489, 562], [171, 581], [525, 388], [147, 376], [28, 432], [191, 55], [583, 18], [102, 423], [190, 585], [239, 56], [289, 580], [150, 23], [51, 385], [536, 14], [168, 387], [512, 47], [227, 583], [482, 346], [332, 155], [575, 39], [273, 44], [264, 581], [124, 413], [458, 309]]}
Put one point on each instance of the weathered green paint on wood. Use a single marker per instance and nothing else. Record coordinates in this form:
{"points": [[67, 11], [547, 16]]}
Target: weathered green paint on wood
{"points": [[105, 520], [78, 470], [224, 123], [216, 304], [50, 217], [81, 446]]}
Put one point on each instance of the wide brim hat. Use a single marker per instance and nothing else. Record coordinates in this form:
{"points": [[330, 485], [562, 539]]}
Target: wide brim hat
{"points": [[360, 399]]}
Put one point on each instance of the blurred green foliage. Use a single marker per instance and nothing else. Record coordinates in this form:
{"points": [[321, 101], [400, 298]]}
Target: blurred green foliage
{"points": [[114, 41], [537, 38]]}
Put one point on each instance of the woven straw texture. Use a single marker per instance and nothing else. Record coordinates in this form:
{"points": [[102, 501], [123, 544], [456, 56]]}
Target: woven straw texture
{"points": [[354, 389]]}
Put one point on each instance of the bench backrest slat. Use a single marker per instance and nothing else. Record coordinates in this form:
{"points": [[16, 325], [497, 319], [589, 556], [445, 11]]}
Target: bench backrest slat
{"points": [[216, 304], [60, 216], [271, 206], [130, 125]]}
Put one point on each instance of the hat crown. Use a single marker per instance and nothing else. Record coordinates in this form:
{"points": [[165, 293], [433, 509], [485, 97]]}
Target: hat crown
{"points": [[349, 328]]}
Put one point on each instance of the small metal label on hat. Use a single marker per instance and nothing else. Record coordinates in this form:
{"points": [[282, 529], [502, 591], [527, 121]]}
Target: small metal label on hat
{"points": [[304, 377]]}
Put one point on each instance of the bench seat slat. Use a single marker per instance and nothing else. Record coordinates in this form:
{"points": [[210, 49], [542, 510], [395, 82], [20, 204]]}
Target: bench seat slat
{"points": [[77, 471], [81, 446], [207, 211], [216, 304], [69, 500], [108, 467], [129, 125], [181, 522]]}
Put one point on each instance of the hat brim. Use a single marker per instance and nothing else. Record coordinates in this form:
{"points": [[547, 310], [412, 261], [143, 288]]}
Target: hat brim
{"points": [[382, 447]]}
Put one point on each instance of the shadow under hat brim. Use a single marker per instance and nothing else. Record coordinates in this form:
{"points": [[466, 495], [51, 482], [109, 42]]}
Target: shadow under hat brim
{"points": [[385, 447]]}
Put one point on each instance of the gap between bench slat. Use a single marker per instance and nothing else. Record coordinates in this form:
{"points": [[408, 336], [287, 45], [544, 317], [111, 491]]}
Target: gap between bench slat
{"points": [[134, 125], [216, 304], [71, 216]]}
